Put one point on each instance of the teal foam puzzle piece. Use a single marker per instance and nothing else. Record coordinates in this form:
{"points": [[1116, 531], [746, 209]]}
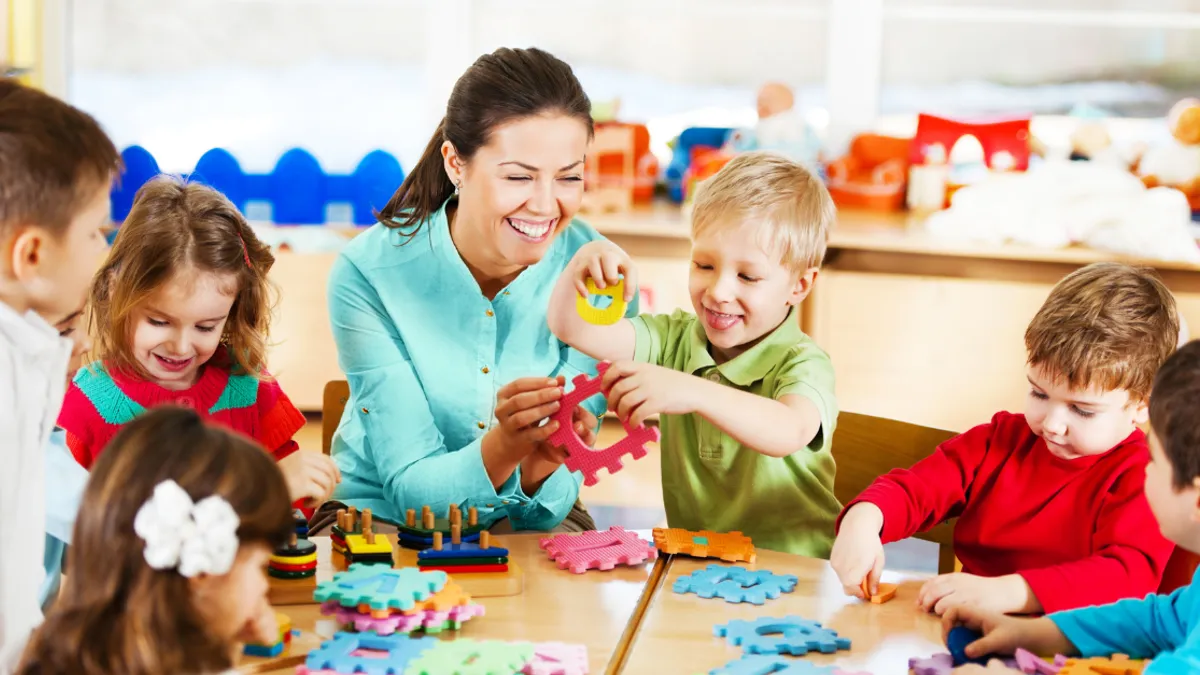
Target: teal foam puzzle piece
{"points": [[736, 584], [338, 654], [787, 635], [472, 657], [770, 664], [380, 587]]}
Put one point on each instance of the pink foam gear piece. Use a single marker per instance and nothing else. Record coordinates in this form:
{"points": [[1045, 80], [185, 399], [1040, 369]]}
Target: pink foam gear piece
{"points": [[405, 623], [1028, 662], [579, 456], [598, 549], [557, 658]]}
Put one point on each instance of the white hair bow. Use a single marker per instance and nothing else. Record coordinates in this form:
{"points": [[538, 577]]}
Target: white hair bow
{"points": [[197, 537]]}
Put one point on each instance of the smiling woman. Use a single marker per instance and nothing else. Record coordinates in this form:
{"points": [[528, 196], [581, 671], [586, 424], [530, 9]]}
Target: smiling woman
{"points": [[439, 311]]}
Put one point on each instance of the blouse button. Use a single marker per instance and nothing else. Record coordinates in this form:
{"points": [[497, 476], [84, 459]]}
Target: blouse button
{"points": [[491, 313], [482, 425], [187, 401], [364, 411], [715, 377], [485, 370]]}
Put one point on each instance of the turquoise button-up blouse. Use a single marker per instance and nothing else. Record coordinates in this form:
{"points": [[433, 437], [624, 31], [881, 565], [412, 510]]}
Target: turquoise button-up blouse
{"points": [[424, 352]]}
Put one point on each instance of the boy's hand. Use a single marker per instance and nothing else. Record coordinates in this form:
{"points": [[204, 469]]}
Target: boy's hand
{"points": [[638, 390], [1006, 595], [1003, 634], [310, 476], [605, 263], [858, 551], [994, 667]]}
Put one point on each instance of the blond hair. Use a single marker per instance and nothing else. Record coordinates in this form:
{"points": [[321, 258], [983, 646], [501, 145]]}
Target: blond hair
{"points": [[789, 205], [1107, 326]]}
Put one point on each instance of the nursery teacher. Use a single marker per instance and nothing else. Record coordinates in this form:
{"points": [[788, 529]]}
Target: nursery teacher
{"points": [[439, 310]]}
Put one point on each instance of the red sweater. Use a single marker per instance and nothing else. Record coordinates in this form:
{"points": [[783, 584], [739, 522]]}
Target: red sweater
{"points": [[1079, 531], [99, 402]]}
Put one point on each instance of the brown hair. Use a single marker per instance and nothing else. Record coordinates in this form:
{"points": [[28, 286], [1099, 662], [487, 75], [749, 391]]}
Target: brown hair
{"points": [[1173, 413], [173, 226], [789, 205], [1106, 325], [506, 85], [56, 157], [116, 614]]}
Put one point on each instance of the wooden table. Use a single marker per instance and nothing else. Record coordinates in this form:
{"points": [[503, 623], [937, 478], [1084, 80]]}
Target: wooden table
{"points": [[676, 635], [556, 606]]}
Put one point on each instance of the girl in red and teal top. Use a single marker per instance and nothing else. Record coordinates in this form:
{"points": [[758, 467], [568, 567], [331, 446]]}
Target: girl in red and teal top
{"points": [[180, 314]]}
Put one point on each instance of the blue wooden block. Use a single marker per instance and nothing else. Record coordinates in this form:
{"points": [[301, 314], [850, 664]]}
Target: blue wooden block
{"points": [[464, 550], [264, 651], [428, 541]]}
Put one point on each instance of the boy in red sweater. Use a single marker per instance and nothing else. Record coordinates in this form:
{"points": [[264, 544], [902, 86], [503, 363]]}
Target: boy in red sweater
{"points": [[1050, 507]]}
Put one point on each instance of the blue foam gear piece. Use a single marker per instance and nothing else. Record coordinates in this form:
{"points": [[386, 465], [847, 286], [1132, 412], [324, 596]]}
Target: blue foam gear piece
{"points": [[380, 586], [466, 549], [337, 654], [770, 664], [791, 634], [736, 584], [956, 642]]}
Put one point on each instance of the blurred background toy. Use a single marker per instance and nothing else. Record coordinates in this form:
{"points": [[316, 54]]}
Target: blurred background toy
{"points": [[1177, 163], [780, 128]]}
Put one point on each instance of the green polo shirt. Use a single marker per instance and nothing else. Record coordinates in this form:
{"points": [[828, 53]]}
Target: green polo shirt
{"points": [[712, 482]]}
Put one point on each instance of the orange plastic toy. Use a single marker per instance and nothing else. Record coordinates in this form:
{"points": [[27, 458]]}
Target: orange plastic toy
{"points": [[886, 592], [645, 163], [728, 546], [873, 175], [1119, 664]]}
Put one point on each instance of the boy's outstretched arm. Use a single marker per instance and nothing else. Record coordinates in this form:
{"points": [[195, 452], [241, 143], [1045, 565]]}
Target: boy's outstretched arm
{"points": [[605, 263], [776, 428]]}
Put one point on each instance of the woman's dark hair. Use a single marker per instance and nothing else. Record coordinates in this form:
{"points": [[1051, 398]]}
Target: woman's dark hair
{"points": [[500, 87]]}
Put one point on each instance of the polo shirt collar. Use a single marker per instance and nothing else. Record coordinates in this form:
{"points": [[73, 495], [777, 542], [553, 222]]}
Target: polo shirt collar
{"points": [[753, 364]]}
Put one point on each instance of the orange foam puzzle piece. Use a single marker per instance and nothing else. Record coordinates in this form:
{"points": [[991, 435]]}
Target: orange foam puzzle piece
{"points": [[1117, 664], [728, 546]]}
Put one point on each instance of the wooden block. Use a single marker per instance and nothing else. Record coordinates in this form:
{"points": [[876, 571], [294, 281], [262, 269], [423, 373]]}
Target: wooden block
{"points": [[487, 585], [294, 654], [291, 591]]}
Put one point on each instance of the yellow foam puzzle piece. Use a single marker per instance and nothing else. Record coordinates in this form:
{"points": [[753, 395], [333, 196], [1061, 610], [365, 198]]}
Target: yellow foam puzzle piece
{"points": [[607, 316], [358, 545]]}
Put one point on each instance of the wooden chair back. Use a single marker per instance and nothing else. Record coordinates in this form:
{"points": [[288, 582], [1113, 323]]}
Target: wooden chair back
{"points": [[337, 392], [867, 447]]}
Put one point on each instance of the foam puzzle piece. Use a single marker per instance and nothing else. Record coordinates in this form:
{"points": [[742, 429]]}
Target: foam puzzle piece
{"points": [[598, 549], [452, 595], [472, 657], [787, 635], [610, 314], [941, 664], [397, 653], [431, 621], [557, 658], [770, 664], [380, 587], [579, 456], [1117, 664], [735, 584], [1028, 662], [728, 546], [464, 550]]}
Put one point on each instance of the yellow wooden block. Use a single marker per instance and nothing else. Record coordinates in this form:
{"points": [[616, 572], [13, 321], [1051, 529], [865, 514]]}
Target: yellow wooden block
{"points": [[608, 315], [302, 560], [358, 544]]}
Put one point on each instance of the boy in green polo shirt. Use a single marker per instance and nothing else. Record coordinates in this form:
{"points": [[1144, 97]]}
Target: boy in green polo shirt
{"points": [[746, 398]]}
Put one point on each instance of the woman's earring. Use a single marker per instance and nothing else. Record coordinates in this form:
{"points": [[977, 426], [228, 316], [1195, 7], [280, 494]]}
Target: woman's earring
{"points": [[456, 184]]}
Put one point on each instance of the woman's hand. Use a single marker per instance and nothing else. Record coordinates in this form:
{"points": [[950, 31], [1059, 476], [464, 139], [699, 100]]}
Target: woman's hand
{"points": [[521, 405], [605, 263], [546, 459]]}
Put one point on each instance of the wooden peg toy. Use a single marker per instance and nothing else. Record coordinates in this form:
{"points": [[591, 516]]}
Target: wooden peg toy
{"points": [[427, 520], [410, 518], [456, 534], [437, 541], [472, 517], [353, 519], [485, 539], [368, 531]]}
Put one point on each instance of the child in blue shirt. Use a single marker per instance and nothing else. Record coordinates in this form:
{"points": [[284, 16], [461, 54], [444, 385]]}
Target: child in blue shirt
{"points": [[1164, 628]]}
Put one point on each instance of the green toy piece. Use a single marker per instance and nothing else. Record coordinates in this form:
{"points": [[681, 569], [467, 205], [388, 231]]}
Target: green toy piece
{"points": [[381, 587], [472, 657]]}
